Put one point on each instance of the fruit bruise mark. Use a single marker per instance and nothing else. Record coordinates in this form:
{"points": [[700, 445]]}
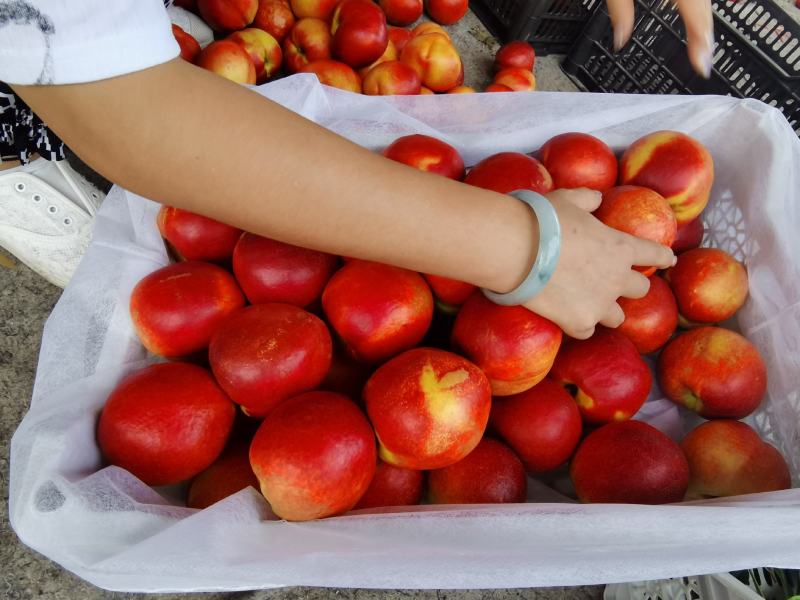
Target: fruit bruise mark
{"points": [[685, 323], [266, 349], [717, 349], [425, 163], [692, 402], [387, 455], [448, 414], [728, 461], [713, 289], [449, 309], [173, 277], [583, 400]]}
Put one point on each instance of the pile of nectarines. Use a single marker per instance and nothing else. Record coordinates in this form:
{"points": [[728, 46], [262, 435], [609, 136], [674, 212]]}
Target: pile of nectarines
{"points": [[354, 45], [365, 385]]}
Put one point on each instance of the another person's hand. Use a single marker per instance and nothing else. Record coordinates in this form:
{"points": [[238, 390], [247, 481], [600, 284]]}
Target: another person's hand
{"points": [[697, 17], [594, 269]]}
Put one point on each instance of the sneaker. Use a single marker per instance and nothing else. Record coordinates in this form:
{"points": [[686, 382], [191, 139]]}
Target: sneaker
{"points": [[191, 24], [46, 215]]}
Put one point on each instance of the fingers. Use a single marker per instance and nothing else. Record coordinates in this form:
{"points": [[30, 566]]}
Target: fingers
{"points": [[697, 17], [636, 286], [583, 198], [614, 317], [622, 17], [650, 254], [580, 334]]}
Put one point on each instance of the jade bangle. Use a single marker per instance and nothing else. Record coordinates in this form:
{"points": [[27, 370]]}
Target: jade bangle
{"points": [[546, 257]]}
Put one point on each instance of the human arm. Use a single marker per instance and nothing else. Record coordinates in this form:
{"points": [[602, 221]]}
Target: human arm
{"points": [[193, 140]]}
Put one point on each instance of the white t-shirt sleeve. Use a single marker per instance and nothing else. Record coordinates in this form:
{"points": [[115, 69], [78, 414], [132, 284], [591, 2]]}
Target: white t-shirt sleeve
{"points": [[75, 41]]}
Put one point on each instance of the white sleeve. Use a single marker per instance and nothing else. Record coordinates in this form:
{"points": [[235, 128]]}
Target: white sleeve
{"points": [[75, 41]]}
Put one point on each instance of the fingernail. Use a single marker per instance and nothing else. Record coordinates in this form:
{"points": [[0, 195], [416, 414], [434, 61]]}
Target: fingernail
{"points": [[707, 55], [706, 62], [710, 39]]}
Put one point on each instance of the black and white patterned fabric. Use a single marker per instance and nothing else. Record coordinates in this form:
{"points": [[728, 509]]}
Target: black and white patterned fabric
{"points": [[22, 133]]}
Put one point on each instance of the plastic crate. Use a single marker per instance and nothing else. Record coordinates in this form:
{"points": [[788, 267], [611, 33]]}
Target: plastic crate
{"points": [[551, 26], [756, 55]]}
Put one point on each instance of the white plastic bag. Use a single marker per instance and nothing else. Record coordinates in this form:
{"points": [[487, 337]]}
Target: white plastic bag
{"points": [[112, 530]]}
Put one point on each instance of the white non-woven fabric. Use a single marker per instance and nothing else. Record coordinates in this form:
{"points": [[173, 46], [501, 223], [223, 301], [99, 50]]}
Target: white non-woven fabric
{"points": [[112, 530], [75, 41]]}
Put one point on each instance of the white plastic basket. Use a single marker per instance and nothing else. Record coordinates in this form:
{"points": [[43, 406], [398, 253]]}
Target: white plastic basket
{"points": [[109, 528]]}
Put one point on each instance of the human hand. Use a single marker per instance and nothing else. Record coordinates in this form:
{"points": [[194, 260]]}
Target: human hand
{"points": [[697, 17], [594, 268]]}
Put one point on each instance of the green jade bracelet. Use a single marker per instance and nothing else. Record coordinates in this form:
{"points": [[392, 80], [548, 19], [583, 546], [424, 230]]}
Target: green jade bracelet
{"points": [[546, 257]]}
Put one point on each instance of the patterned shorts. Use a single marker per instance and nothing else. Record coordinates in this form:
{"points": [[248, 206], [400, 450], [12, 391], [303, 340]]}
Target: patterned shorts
{"points": [[22, 133]]}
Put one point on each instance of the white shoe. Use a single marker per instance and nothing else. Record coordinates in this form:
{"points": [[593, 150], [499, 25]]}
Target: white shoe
{"points": [[191, 24], [46, 215]]}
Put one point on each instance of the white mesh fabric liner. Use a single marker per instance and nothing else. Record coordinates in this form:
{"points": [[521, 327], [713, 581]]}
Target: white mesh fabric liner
{"points": [[117, 533]]}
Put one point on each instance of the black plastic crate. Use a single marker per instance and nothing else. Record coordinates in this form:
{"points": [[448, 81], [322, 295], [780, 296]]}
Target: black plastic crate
{"points": [[551, 26], [756, 55]]}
